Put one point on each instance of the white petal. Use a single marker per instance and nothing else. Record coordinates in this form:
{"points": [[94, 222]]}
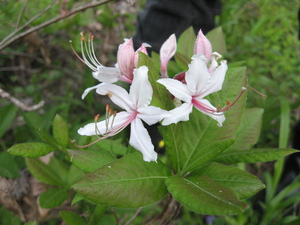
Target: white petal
{"points": [[86, 91], [152, 114], [180, 113], [141, 141], [176, 88], [197, 77], [204, 105], [141, 89], [117, 94], [107, 74], [217, 79], [105, 126]]}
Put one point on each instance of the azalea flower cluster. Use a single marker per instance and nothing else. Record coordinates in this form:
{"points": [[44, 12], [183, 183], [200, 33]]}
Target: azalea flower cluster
{"points": [[203, 77]]}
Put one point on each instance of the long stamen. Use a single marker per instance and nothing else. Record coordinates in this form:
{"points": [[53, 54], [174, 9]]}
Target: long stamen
{"points": [[112, 132], [261, 94], [229, 105], [83, 49], [96, 118], [92, 50], [76, 52]]}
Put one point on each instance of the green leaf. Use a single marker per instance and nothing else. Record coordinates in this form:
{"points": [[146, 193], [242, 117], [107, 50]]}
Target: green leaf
{"points": [[77, 198], [60, 131], [8, 218], [161, 97], [31, 150], [74, 175], [98, 213], [128, 182], [8, 114], [88, 160], [243, 183], [182, 61], [72, 218], [254, 155], [186, 139], [53, 197], [249, 130], [217, 40], [8, 166], [207, 154], [43, 172], [47, 138], [202, 195], [186, 43]]}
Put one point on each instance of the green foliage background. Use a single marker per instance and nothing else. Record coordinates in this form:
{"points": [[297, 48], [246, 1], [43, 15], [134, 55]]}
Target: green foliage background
{"points": [[261, 34]]}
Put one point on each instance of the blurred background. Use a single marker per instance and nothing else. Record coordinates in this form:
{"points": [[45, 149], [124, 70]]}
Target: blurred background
{"points": [[260, 34]]}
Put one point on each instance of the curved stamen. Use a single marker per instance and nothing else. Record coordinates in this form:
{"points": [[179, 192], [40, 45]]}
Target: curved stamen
{"points": [[229, 105], [83, 43]]}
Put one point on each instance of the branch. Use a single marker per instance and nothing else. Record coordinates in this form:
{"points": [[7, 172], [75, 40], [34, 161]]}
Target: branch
{"points": [[49, 22], [18, 103], [26, 24]]}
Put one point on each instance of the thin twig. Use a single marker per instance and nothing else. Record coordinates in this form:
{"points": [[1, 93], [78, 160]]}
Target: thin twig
{"points": [[49, 22], [21, 14], [133, 217], [116, 216], [18, 103], [2, 43]]}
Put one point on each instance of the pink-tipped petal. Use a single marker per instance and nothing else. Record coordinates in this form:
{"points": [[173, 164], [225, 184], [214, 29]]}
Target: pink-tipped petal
{"points": [[207, 108], [202, 45], [142, 49], [167, 51], [141, 141]]}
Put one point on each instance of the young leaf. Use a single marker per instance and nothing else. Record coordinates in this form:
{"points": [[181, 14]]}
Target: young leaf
{"points": [[72, 218], [53, 197], [88, 160], [202, 195], [8, 114], [243, 183], [217, 40], [43, 172], [31, 149], [186, 43], [128, 182], [254, 155], [182, 61], [8, 166], [60, 131], [187, 139]]}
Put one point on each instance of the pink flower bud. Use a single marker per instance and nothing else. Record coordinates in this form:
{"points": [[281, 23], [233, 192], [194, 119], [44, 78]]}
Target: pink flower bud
{"points": [[125, 58], [142, 49], [202, 45], [167, 51]]}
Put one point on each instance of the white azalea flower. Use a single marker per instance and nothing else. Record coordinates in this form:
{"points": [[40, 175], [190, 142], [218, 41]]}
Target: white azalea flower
{"points": [[136, 106], [199, 83]]}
